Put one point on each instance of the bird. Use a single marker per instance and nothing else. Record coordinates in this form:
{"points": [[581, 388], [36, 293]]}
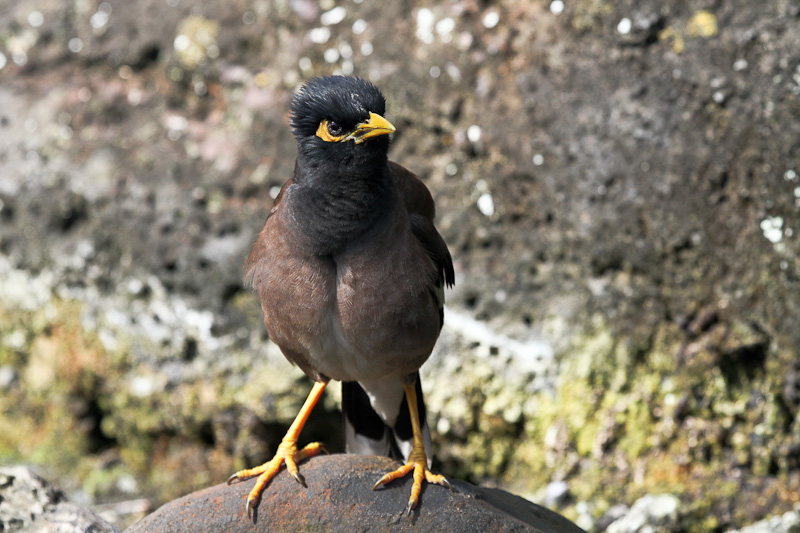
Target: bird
{"points": [[350, 271]]}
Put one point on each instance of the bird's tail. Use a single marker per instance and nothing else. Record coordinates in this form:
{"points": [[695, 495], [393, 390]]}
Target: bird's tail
{"points": [[377, 419]]}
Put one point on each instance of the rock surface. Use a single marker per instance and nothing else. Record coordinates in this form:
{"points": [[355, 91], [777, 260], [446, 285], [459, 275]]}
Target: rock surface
{"points": [[650, 514], [339, 497], [788, 522], [30, 504]]}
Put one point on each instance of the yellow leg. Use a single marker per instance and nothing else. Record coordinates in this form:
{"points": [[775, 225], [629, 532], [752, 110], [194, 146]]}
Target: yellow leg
{"points": [[287, 453], [417, 459]]}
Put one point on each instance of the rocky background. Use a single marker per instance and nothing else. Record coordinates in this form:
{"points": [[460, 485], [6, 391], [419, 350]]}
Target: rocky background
{"points": [[617, 181]]}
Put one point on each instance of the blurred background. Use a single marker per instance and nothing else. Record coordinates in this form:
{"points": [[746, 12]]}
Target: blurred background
{"points": [[617, 182]]}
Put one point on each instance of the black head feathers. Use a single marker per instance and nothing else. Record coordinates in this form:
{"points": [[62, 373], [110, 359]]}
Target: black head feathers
{"points": [[342, 99], [341, 183]]}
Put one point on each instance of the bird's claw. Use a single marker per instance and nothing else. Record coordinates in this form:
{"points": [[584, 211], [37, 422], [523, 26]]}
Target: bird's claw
{"points": [[287, 454], [410, 507], [419, 467], [446, 484], [300, 479]]}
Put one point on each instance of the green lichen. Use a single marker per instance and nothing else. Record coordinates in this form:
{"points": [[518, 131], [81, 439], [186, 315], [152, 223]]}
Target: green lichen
{"points": [[659, 413], [71, 411]]}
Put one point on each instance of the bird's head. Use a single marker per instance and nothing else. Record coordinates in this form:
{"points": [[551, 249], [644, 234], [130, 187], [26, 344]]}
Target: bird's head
{"points": [[339, 120]]}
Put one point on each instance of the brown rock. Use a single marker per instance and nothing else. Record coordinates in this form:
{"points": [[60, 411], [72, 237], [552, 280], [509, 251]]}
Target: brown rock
{"points": [[339, 497]]}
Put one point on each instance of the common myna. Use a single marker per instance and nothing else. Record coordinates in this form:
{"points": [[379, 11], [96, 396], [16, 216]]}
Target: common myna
{"points": [[350, 271]]}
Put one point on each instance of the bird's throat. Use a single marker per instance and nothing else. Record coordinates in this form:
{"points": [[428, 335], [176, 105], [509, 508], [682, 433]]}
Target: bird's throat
{"points": [[332, 209]]}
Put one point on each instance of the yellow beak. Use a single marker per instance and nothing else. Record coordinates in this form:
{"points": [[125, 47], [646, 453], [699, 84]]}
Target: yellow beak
{"points": [[374, 126]]}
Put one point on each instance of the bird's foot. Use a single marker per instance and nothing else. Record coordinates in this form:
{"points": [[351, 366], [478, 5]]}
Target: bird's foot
{"points": [[418, 463], [287, 454]]}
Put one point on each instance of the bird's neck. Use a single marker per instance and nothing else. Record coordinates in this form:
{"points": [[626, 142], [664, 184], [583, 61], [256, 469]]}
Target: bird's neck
{"points": [[333, 207]]}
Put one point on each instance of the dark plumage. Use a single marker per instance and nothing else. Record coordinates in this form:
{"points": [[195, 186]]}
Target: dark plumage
{"points": [[350, 272]]}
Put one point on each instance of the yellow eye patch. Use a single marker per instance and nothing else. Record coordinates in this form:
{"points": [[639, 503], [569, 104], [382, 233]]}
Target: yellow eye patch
{"points": [[324, 133], [374, 126]]}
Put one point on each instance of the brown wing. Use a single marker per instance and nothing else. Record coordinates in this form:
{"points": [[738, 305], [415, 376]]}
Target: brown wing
{"points": [[260, 246], [422, 210], [255, 275]]}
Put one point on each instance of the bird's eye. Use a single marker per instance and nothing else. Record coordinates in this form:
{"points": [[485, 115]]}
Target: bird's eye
{"points": [[334, 128]]}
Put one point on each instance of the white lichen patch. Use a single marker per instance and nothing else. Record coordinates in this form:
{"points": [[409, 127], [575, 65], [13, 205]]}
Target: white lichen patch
{"points": [[773, 229]]}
